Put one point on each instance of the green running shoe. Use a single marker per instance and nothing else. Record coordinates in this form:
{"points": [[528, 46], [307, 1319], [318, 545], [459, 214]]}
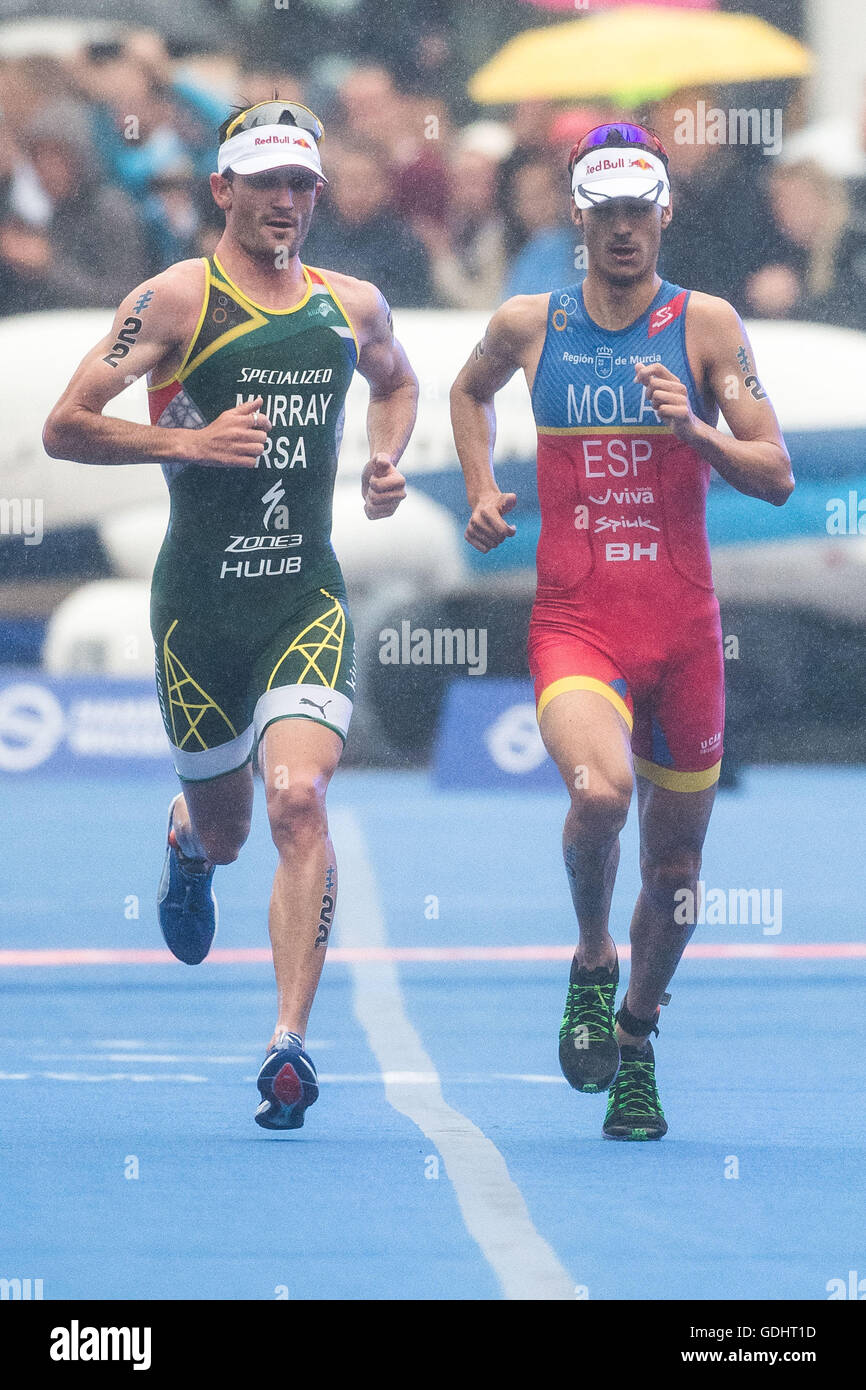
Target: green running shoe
{"points": [[634, 1110], [588, 1049]]}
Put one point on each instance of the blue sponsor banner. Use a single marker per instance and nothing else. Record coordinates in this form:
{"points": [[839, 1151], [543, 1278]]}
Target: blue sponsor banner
{"points": [[79, 724], [488, 738]]}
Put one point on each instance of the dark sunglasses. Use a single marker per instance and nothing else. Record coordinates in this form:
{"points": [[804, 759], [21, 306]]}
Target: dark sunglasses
{"points": [[277, 113], [298, 180], [625, 131]]}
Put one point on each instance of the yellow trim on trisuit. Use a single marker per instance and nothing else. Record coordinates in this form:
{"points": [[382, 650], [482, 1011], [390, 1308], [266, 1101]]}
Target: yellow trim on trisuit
{"points": [[602, 429], [263, 307], [312, 651], [567, 683], [256, 320], [175, 376], [171, 662], [674, 781]]}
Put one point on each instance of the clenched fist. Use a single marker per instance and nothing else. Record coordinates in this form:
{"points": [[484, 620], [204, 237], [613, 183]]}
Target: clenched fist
{"points": [[234, 439], [669, 398], [486, 527], [383, 487]]}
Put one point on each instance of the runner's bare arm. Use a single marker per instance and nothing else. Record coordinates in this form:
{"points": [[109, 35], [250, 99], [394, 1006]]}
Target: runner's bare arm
{"points": [[755, 461], [393, 399], [494, 361], [151, 329]]}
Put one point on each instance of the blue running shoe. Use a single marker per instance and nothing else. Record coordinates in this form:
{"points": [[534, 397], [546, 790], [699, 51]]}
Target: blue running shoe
{"points": [[288, 1084], [185, 903]]}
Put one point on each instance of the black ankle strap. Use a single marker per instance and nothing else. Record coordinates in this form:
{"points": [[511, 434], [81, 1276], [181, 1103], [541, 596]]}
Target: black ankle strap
{"points": [[191, 865], [636, 1027]]}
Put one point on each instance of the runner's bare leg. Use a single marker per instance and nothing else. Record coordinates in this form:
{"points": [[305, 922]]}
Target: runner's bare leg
{"points": [[211, 819], [298, 757], [589, 742], [672, 829]]}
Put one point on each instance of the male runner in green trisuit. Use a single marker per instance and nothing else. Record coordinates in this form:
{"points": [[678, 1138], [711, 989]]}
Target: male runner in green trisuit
{"points": [[249, 356]]}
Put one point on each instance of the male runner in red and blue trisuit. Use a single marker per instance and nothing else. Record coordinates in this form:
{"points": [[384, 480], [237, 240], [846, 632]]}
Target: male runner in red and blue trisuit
{"points": [[627, 375]]}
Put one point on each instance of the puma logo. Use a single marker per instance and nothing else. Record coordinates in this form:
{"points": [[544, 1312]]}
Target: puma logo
{"points": [[320, 708]]}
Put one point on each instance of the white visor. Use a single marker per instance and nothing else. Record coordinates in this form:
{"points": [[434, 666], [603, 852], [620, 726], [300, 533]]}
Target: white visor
{"points": [[270, 147], [613, 171]]}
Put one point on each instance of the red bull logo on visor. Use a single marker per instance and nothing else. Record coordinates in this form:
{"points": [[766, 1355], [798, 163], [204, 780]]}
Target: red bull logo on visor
{"points": [[603, 166], [283, 140]]}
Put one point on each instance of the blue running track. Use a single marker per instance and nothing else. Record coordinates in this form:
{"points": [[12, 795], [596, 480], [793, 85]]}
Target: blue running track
{"points": [[446, 1157]]}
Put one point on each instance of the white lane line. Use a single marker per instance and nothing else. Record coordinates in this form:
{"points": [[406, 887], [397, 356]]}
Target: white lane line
{"points": [[411, 1078], [491, 1204], [127, 1044], [138, 1057], [369, 1078], [89, 1076]]}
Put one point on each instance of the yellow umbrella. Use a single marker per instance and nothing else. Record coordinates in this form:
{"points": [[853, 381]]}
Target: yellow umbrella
{"points": [[637, 54]]}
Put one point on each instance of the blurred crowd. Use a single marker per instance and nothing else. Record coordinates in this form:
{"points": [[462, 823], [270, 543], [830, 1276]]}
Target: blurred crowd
{"points": [[104, 157]]}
